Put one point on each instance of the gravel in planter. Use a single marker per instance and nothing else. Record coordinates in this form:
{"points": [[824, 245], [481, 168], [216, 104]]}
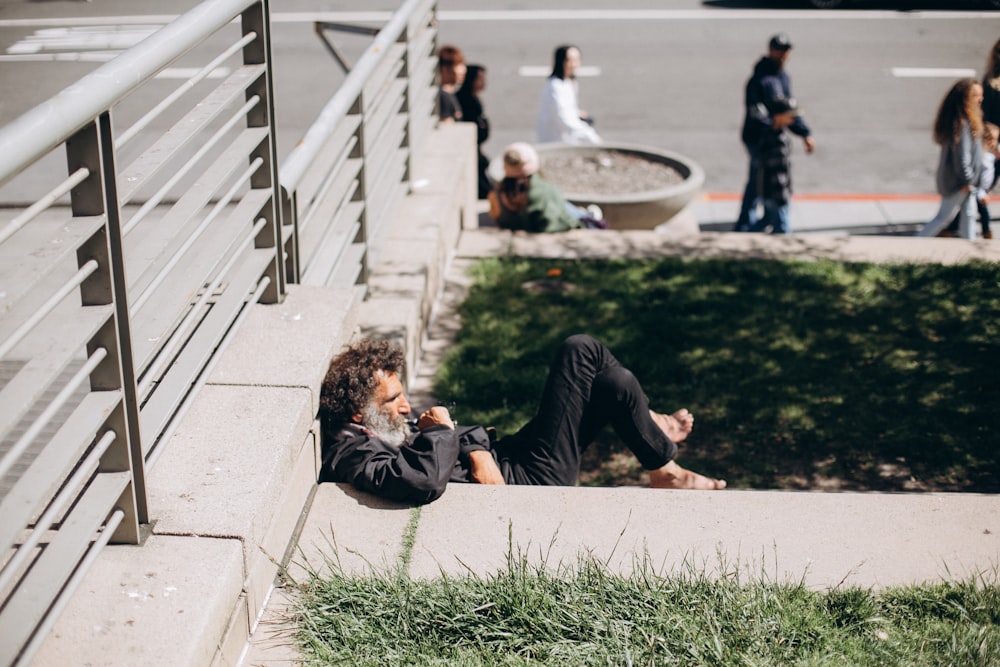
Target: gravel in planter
{"points": [[606, 172]]}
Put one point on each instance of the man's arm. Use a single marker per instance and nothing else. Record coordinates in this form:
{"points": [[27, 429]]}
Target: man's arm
{"points": [[484, 468], [417, 472]]}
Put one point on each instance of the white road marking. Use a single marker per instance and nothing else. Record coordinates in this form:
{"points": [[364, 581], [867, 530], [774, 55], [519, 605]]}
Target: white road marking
{"points": [[108, 37], [189, 72], [932, 72], [537, 15], [92, 44], [545, 70], [96, 44], [68, 56]]}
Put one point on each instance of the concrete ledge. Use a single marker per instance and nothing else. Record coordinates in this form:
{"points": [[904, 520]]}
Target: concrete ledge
{"points": [[290, 344], [822, 539], [355, 530], [163, 603], [645, 245]]}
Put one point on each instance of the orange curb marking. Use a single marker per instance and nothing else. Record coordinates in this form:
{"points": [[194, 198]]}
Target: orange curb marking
{"points": [[833, 197]]}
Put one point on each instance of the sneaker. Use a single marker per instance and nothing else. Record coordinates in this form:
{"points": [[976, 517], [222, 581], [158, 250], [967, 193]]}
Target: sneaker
{"points": [[988, 235], [595, 211]]}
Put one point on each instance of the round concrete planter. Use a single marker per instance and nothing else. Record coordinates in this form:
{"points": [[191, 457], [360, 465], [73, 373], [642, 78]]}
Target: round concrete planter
{"points": [[633, 210]]}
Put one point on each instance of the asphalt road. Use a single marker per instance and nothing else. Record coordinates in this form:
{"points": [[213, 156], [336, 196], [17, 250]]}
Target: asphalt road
{"points": [[667, 74]]}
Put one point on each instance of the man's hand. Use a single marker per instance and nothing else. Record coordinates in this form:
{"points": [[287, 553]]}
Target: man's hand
{"points": [[484, 468], [810, 144], [436, 415]]}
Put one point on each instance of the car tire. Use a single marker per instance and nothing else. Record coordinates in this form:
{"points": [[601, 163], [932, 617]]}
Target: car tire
{"points": [[995, 4], [833, 4]]}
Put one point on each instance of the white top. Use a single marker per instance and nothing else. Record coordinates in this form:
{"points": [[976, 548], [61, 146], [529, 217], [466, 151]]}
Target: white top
{"points": [[986, 176], [559, 115]]}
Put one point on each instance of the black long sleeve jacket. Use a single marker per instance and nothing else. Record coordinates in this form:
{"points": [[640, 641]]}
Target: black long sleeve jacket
{"points": [[417, 472]]}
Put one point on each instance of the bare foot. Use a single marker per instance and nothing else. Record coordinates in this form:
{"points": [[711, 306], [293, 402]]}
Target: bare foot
{"points": [[677, 426], [672, 476]]}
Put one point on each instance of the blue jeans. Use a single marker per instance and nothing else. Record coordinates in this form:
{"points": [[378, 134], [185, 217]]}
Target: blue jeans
{"points": [[775, 217], [748, 208]]}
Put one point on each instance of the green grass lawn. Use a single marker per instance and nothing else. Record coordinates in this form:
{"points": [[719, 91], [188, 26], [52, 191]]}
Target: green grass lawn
{"points": [[801, 375], [586, 615]]}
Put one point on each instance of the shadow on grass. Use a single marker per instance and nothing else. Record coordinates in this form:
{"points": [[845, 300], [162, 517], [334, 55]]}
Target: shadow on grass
{"points": [[811, 375]]}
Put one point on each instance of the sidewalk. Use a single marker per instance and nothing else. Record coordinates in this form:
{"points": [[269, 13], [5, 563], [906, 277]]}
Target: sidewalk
{"points": [[839, 214]]}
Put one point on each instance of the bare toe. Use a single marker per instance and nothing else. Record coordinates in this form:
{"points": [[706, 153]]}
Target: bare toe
{"points": [[672, 476], [677, 426]]}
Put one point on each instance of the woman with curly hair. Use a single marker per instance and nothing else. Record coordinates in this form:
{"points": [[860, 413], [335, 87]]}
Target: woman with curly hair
{"points": [[991, 116], [958, 129]]}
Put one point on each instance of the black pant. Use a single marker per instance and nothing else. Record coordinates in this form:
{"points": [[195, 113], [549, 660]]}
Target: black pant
{"points": [[586, 389]]}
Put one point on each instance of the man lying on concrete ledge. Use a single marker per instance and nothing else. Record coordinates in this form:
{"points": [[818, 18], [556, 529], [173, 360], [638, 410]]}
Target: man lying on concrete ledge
{"points": [[369, 441]]}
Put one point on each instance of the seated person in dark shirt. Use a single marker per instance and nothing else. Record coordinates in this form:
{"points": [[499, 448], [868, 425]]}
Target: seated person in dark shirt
{"points": [[369, 442]]}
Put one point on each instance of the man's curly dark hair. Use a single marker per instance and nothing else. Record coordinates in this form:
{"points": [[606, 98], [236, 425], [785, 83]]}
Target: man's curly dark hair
{"points": [[351, 380]]}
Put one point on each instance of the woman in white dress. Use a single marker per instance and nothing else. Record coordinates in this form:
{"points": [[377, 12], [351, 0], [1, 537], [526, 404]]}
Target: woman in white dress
{"points": [[559, 116]]}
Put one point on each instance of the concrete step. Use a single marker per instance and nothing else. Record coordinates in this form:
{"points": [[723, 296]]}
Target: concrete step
{"points": [[824, 540]]}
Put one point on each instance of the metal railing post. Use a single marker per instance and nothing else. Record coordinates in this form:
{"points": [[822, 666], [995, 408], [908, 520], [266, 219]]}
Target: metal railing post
{"points": [[258, 52], [407, 108], [361, 194], [92, 148], [290, 218]]}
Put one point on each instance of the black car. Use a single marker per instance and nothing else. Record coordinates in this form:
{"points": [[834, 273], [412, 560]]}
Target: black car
{"points": [[833, 4]]}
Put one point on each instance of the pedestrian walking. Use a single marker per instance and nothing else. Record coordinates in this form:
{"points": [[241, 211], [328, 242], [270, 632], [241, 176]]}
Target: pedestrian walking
{"points": [[774, 178], [958, 129], [559, 116], [987, 181], [768, 84]]}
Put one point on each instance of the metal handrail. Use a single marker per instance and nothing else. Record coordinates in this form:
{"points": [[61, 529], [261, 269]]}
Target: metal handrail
{"points": [[81, 455], [152, 336]]}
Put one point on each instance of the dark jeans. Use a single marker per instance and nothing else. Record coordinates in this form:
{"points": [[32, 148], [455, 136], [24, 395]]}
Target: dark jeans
{"points": [[586, 389], [751, 195], [484, 183]]}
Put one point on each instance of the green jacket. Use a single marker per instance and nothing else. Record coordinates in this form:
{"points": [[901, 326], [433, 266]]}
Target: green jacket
{"points": [[546, 210]]}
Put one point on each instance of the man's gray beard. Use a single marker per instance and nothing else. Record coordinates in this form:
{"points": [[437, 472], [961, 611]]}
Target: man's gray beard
{"points": [[389, 427]]}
